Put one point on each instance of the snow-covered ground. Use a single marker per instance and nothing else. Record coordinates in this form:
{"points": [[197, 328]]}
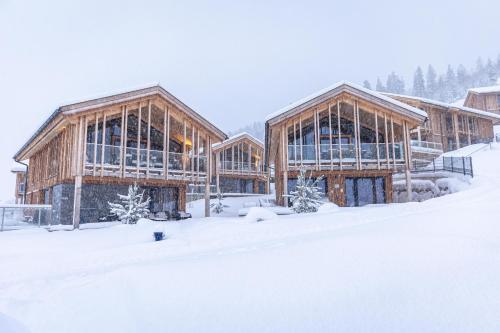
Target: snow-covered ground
{"points": [[432, 266]]}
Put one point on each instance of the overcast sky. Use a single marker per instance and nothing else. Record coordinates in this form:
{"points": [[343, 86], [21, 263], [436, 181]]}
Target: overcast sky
{"points": [[232, 62]]}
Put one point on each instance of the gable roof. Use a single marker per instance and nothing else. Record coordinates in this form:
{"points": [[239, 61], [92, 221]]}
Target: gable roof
{"points": [[481, 113], [109, 100], [354, 89], [237, 137], [485, 90]]}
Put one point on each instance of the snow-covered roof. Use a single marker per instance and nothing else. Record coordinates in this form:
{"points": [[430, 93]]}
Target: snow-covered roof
{"points": [[350, 87], [236, 137], [459, 102], [450, 106], [123, 96], [17, 167], [486, 90]]}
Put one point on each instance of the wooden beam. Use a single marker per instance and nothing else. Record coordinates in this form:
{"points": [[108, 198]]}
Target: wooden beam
{"points": [[78, 178], [339, 135], [122, 134], [148, 144], [393, 147], [96, 130], [139, 123], [330, 134], [376, 140], [125, 137], [168, 143], [164, 157], [386, 137], [103, 144]]}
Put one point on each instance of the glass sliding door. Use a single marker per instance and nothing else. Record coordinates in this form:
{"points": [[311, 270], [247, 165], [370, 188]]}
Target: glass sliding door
{"points": [[361, 191]]}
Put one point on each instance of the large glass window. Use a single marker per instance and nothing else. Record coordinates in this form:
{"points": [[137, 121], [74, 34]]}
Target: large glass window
{"points": [[367, 135], [364, 191], [308, 141]]}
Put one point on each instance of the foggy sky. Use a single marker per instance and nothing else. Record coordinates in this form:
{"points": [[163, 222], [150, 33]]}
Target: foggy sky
{"points": [[232, 62]]}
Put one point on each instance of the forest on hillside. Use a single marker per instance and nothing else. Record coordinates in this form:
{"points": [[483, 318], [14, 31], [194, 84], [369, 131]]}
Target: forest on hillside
{"points": [[446, 87]]}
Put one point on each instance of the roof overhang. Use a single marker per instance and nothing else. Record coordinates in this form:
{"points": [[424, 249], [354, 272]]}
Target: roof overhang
{"points": [[236, 138]]}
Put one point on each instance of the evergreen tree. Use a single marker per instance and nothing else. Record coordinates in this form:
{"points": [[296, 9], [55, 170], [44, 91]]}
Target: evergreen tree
{"points": [[395, 84], [450, 85], [462, 81], [367, 84], [306, 198], [490, 72], [131, 207], [218, 207], [380, 87], [419, 83], [430, 79]]}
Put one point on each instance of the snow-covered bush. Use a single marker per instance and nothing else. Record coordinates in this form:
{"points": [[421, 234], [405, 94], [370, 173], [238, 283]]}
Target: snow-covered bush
{"points": [[258, 214], [306, 198], [131, 207], [328, 207], [218, 206], [450, 185]]}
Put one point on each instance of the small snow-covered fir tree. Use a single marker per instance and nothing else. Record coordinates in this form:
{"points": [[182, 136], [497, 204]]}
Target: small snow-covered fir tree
{"points": [[218, 206], [131, 207], [306, 198]]}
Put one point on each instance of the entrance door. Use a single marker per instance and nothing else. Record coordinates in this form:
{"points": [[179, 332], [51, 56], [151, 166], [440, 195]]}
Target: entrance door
{"points": [[163, 199], [362, 191]]}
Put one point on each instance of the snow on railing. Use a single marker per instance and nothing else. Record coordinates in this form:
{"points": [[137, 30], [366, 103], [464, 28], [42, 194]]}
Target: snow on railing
{"points": [[426, 144], [23, 216]]}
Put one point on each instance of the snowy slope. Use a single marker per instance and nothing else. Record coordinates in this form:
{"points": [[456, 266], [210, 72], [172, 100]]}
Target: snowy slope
{"points": [[432, 266]]}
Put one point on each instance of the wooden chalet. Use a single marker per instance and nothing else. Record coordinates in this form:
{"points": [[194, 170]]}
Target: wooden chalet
{"points": [[19, 171], [87, 152], [240, 165], [449, 126], [484, 98], [355, 137]]}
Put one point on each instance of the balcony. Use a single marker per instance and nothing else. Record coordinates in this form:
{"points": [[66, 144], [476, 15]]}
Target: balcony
{"points": [[135, 162], [335, 154], [240, 168]]}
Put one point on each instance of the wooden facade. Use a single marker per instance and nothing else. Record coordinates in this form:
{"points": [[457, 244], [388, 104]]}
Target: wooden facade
{"points": [[20, 173], [450, 126], [146, 136], [346, 133], [240, 159], [486, 98]]}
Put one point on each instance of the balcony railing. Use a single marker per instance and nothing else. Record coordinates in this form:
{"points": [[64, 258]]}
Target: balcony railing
{"points": [[240, 167], [329, 153], [426, 144], [178, 163]]}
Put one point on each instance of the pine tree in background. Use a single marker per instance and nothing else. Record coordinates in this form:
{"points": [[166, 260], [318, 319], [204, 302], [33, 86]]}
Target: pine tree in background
{"points": [[131, 207], [430, 79], [463, 81], [490, 72], [450, 85], [379, 86], [395, 84], [419, 83], [306, 198], [367, 84]]}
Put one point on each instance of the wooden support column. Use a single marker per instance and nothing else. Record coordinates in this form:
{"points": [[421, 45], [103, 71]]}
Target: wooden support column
{"points": [[217, 180], [339, 135], [198, 155], [78, 178], [122, 133], [168, 144], [192, 149], [358, 140], [301, 139], [393, 147], [96, 130], [469, 141], [406, 137], [284, 165], [356, 136], [376, 140], [184, 155], [139, 140], [84, 145], [455, 128], [208, 177], [125, 137], [295, 143], [103, 144], [164, 156], [316, 143], [148, 144], [330, 134], [419, 134], [386, 137]]}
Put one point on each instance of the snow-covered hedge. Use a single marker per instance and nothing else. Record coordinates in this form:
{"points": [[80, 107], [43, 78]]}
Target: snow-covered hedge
{"points": [[423, 189]]}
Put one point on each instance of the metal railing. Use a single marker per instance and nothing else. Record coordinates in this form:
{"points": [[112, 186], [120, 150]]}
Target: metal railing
{"points": [[426, 144], [139, 158], [13, 217], [328, 152], [462, 165], [240, 167]]}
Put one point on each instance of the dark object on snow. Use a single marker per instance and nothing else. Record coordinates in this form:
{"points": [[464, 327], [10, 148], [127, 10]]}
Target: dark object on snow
{"points": [[158, 236], [108, 218], [180, 216]]}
